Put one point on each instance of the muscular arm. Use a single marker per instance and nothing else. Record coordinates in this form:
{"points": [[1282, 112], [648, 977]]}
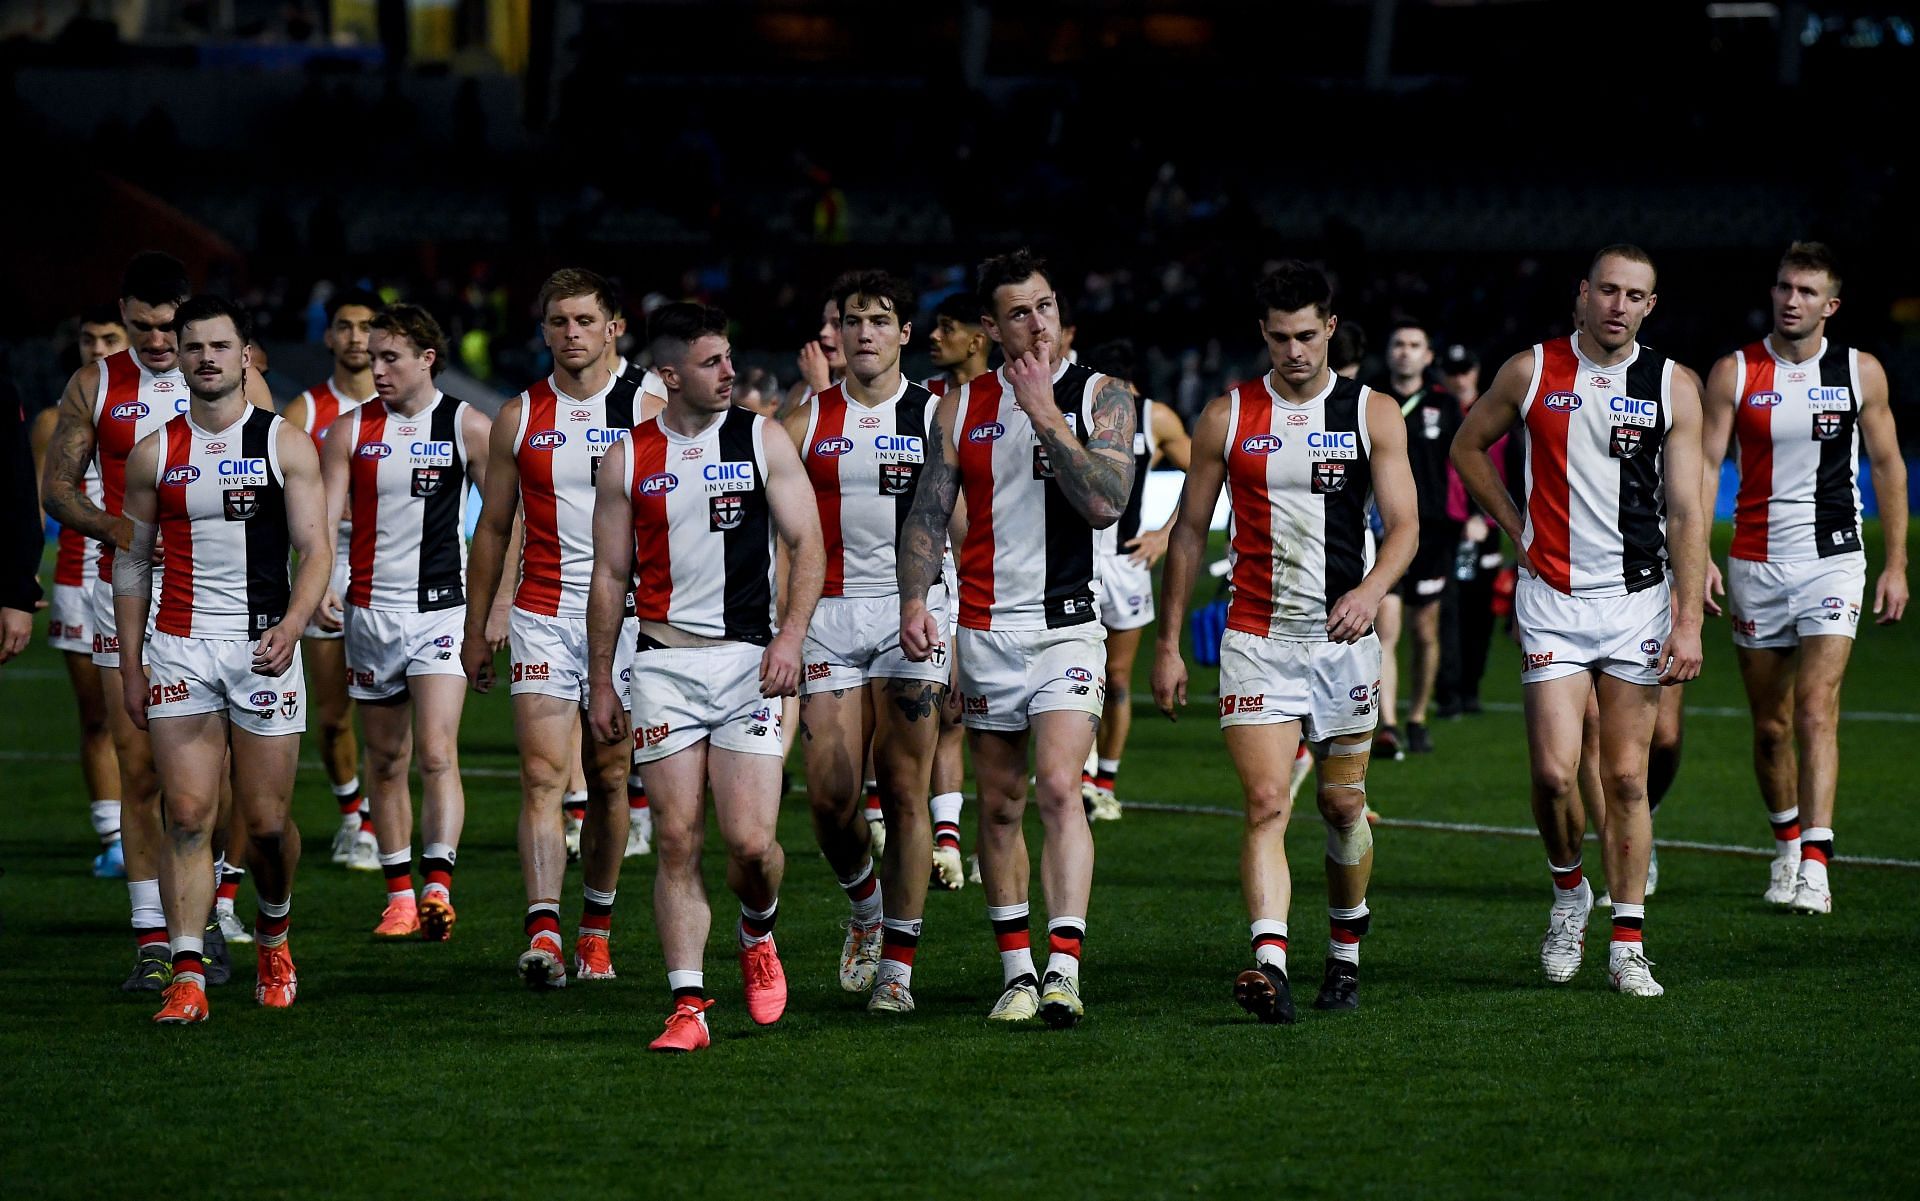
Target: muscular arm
{"points": [[797, 518], [307, 525], [63, 491], [499, 499], [607, 592], [1889, 472], [1399, 504], [923, 536], [1176, 448], [1492, 416], [336, 467], [1686, 529], [1096, 476], [1186, 544]]}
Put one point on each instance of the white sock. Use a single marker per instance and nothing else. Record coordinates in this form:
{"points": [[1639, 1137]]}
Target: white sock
{"points": [[758, 915], [1346, 952], [679, 980], [946, 807], [105, 816], [270, 909], [866, 912], [223, 906], [1017, 961], [350, 789], [574, 799], [1269, 953], [1109, 767], [145, 898]]}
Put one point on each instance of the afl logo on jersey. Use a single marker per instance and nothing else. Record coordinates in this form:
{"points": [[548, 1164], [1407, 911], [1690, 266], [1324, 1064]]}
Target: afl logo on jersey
{"points": [[989, 432], [375, 450], [833, 448], [1561, 402], [1260, 444], [1079, 674], [1763, 400], [546, 440], [132, 410], [181, 476], [659, 483], [264, 699]]}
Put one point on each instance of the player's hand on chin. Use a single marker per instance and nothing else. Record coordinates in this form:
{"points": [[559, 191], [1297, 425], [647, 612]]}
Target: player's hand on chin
{"points": [[1032, 386]]}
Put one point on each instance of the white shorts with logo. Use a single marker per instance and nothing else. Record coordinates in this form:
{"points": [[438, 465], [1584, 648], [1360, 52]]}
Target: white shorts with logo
{"points": [[70, 619], [1008, 676], [683, 695], [386, 647], [1330, 688], [853, 639], [188, 676], [1563, 635], [550, 657], [338, 583], [106, 634], [1778, 604], [1126, 593]]}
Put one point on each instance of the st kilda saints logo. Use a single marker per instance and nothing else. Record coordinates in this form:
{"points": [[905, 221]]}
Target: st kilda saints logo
{"points": [[1827, 426], [1329, 476], [896, 479], [241, 504], [427, 480], [1626, 441], [727, 510]]}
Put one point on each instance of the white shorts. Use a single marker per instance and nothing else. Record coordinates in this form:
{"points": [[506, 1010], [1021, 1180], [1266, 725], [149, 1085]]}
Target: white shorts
{"points": [[106, 634], [1126, 593], [386, 647], [550, 657], [1008, 676], [338, 584], [188, 676], [1778, 604], [70, 619], [853, 639], [1562, 635], [1330, 688], [684, 695]]}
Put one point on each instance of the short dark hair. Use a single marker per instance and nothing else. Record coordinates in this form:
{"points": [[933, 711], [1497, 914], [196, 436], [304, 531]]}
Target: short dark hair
{"points": [[1811, 256], [1409, 323], [208, 307], [1292, 286], [1114, 358], [672, 328], [417, 326], [155, 278], [569, 282], [102, 314], [895, 293], [1347, 346], [962, 308], [352, 296], [1003, 269], [1623, 250]]}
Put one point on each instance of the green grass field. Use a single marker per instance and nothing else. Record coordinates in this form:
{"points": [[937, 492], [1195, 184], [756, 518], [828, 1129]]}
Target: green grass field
{"points": [[1780, 1062]]}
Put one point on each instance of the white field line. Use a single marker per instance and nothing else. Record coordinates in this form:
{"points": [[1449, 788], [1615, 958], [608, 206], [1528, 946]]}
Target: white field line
{"points": [[1146, 705]]}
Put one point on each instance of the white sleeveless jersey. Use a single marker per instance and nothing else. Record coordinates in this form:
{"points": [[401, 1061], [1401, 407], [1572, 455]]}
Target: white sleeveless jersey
{"points": [[557, 450], [222, 510], [1596, 515], [325, 405], [865, 463], [1299, 481], [407, 492], [129, 403], [702, 529], [1798, 425], [1027, 562]]}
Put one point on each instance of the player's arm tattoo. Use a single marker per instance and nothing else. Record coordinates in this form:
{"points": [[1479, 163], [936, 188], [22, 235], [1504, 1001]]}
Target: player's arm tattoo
{"points": [[62, 491], [923, 536], [916, 699], [1097, 475]]}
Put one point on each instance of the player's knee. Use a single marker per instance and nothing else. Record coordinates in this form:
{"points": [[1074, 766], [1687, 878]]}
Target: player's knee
{"points": [[190, 817], [1268, 808], [1771, 735], [1119, 686], [1057, 786], [752, 850], [1627, 788], [1814, 714], [437, 757], [1555, 779]]}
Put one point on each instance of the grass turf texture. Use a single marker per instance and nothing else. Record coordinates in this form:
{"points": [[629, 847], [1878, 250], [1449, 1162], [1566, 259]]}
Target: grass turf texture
{"points": [[1779, 1063]]}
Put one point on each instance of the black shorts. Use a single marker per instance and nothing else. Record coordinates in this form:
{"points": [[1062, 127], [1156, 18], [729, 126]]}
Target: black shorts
{"points": [[1432, 564]]}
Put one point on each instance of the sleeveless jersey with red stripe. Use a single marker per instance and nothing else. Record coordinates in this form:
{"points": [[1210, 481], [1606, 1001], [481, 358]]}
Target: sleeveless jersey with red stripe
{"points": [[70, 557], [325, 405], [1595, 495], [557, 451], [702, 528], [1027, 562], [1299, 480], [222, 512], [937, 384], [408, 498], [1798, 425], [865, 463], [129, 403]]}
